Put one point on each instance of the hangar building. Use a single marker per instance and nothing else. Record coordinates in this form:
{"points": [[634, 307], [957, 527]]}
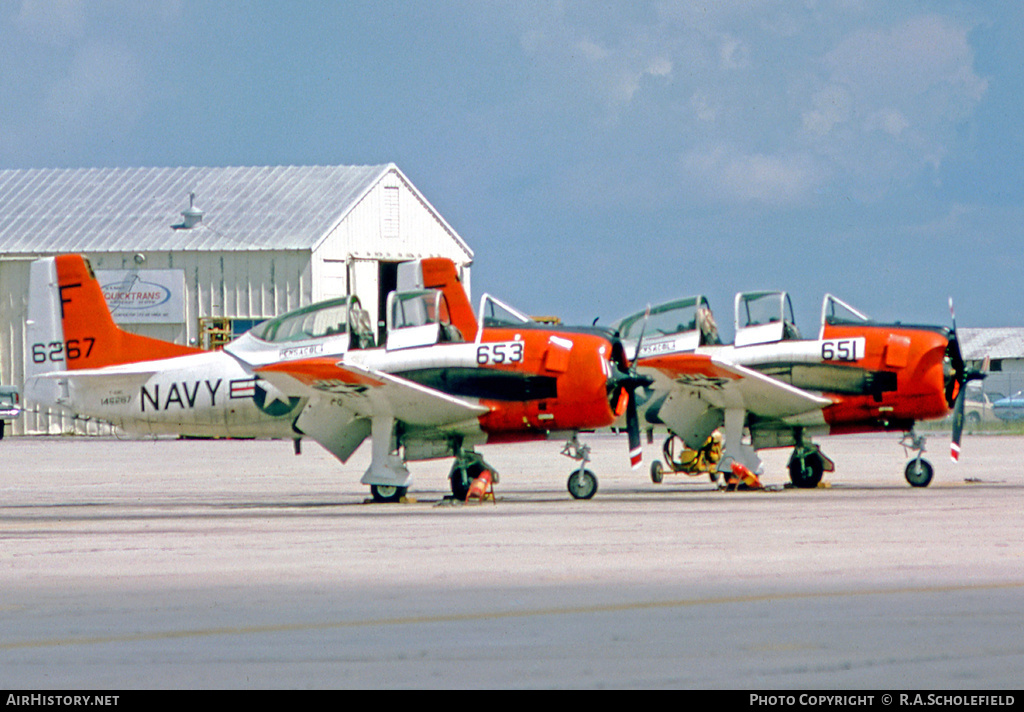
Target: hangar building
{"points": [[230, 246], [1004, 348]]}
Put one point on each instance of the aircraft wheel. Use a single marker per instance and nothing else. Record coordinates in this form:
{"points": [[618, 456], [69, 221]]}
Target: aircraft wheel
{"points": [[582, 484], [805, 472], [657, 472], [387, 493], [461, 479], [919, 473]]}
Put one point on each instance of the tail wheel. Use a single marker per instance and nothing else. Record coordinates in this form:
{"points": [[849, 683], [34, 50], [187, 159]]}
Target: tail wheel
{"points": [[919, 472], [582, 484], [387, 493], [805, 470]]}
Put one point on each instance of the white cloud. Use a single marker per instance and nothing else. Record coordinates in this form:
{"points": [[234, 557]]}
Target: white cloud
{"points": [[733, 53], [729, 174], [892, 99], [832, 106]]}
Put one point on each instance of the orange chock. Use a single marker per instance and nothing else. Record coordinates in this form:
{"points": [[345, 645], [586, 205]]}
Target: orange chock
{"points": [[482, 487], [743, 476]]}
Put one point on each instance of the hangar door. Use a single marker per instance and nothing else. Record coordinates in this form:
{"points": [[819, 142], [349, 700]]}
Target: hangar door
{"points": [[387, 282]]}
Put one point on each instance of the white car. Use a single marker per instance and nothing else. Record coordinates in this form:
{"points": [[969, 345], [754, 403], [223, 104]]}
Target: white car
{"points": [[10, 405]]}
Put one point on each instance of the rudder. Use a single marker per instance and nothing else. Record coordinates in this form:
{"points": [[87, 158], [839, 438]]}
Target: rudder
{"points": [[88, 334], [439, 273]]}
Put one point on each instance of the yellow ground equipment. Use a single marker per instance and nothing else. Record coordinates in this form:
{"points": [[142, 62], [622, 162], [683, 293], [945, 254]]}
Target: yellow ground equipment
{"points": [[679, 458]]}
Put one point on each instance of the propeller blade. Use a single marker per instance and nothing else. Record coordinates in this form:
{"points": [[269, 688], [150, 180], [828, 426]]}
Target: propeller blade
{"points": [[636, 450], [958, 424], [956, 384], [640, 339]]}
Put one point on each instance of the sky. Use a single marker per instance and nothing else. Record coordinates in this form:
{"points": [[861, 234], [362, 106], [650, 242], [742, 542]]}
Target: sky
{"points": [[596, 156]]}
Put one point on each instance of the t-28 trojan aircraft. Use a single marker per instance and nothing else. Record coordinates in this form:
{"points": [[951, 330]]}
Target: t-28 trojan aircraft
{"points": [[443, 382], [857, 376]]}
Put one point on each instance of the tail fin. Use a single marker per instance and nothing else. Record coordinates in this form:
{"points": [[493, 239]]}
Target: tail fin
{"points": [[439, 273], [70, 327]]}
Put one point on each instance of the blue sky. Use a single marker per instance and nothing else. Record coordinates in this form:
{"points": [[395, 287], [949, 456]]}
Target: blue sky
{"points": [[597, 156]]}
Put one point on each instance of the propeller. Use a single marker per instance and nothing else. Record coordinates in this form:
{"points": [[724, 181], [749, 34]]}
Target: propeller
{"points": [[956, 384]]}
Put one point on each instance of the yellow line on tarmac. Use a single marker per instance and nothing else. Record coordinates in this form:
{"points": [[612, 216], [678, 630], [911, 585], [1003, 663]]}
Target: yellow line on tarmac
{"points": [[499, 615]]}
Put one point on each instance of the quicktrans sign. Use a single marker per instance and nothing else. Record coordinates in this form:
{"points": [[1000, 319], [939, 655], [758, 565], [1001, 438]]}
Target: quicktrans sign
{"points": [[151, 296]]}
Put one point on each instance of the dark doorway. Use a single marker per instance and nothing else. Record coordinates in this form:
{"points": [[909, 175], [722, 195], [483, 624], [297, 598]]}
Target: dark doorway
{"points": [[387, 282]]}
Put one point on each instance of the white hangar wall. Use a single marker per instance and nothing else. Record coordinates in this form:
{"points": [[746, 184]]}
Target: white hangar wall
{"points": [[252, 285], [392, 223]]}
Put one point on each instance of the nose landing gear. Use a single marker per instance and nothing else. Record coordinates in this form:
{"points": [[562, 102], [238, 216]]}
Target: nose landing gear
{"points": [[582, 482], [919, 471]]}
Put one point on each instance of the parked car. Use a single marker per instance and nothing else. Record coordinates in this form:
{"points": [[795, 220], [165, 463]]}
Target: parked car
{"points": [[978, 407], [1010, 409], [10, 406]]}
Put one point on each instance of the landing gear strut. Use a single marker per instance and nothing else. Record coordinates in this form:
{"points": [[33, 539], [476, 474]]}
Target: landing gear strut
{"points": [[918, 471], [387, 475], [582, 482]]}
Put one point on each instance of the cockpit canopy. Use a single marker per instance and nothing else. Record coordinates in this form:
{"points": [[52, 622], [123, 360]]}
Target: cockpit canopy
{"points": [[680, 325], [764, 317], [339, 317], [496, 314], [419, 318], [835, 311]]}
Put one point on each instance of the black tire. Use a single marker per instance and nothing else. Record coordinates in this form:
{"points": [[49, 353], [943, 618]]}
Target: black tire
{"points": [[805, 472], [582, 484], [919, 476], [461, 479], [657, 472], [387, 494]]}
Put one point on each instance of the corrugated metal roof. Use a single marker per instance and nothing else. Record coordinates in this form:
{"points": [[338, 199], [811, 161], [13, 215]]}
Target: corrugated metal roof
{"points": [[1002, 343], [124, 209]]}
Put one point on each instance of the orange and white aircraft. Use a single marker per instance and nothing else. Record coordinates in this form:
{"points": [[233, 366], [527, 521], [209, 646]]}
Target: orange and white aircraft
{"points": [[780, 389], [444, 381]]}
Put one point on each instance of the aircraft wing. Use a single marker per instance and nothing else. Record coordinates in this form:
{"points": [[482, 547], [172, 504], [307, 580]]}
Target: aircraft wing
{"points": [[344, 398], [368, 393], [691, 384]]}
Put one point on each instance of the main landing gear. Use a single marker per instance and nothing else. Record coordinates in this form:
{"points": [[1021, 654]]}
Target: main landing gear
{"points": [[582, 482], [918, 471], [387, 476], [467, 467], [387, 494], [807, 464]]}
